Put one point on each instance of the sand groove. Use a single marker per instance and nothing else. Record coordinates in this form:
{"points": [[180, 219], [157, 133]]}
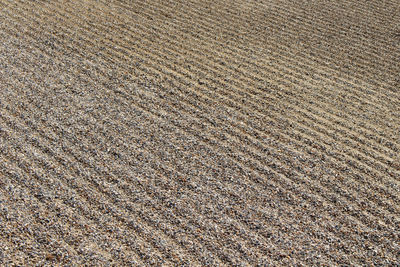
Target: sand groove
{"points": [[199, 132]]}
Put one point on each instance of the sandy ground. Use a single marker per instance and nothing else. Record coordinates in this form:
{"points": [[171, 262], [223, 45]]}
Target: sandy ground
{"points": [[193, 132]]}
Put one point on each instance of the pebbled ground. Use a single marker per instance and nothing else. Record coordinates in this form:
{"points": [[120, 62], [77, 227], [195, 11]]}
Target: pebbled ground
{"points": [[221, 133]]}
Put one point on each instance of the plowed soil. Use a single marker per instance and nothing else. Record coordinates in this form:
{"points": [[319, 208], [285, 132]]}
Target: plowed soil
{"points": [[197, 132]]}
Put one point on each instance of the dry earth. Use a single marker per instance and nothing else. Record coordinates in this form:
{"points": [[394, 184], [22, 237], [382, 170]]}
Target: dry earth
{"points": [[194, 132]]}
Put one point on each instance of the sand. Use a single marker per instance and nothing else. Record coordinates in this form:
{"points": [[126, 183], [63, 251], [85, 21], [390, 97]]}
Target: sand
{"points": [[199, 133]]}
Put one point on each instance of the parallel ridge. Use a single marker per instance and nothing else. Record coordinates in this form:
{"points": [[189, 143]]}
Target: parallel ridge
{"points": [[199, 132]]}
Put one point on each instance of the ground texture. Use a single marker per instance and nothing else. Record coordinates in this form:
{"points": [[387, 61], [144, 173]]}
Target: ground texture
{"points": [[194, 132]]}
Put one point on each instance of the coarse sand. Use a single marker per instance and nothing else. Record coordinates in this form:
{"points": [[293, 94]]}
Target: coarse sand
{"points": [[199, 133]]}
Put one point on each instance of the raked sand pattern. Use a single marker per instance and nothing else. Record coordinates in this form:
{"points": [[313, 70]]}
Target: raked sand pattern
{"points": [[199, 133]]}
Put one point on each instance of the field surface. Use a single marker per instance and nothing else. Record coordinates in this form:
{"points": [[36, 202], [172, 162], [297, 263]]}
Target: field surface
{"points": [[196, 132]]}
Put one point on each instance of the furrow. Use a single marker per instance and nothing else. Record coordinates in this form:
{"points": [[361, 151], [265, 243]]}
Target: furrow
{"points": [[226, 14], [53, 135], [213, 133], [71, 231], [79, 204], [63, 209], [31, 125], [207, 29], [62, 162]]}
